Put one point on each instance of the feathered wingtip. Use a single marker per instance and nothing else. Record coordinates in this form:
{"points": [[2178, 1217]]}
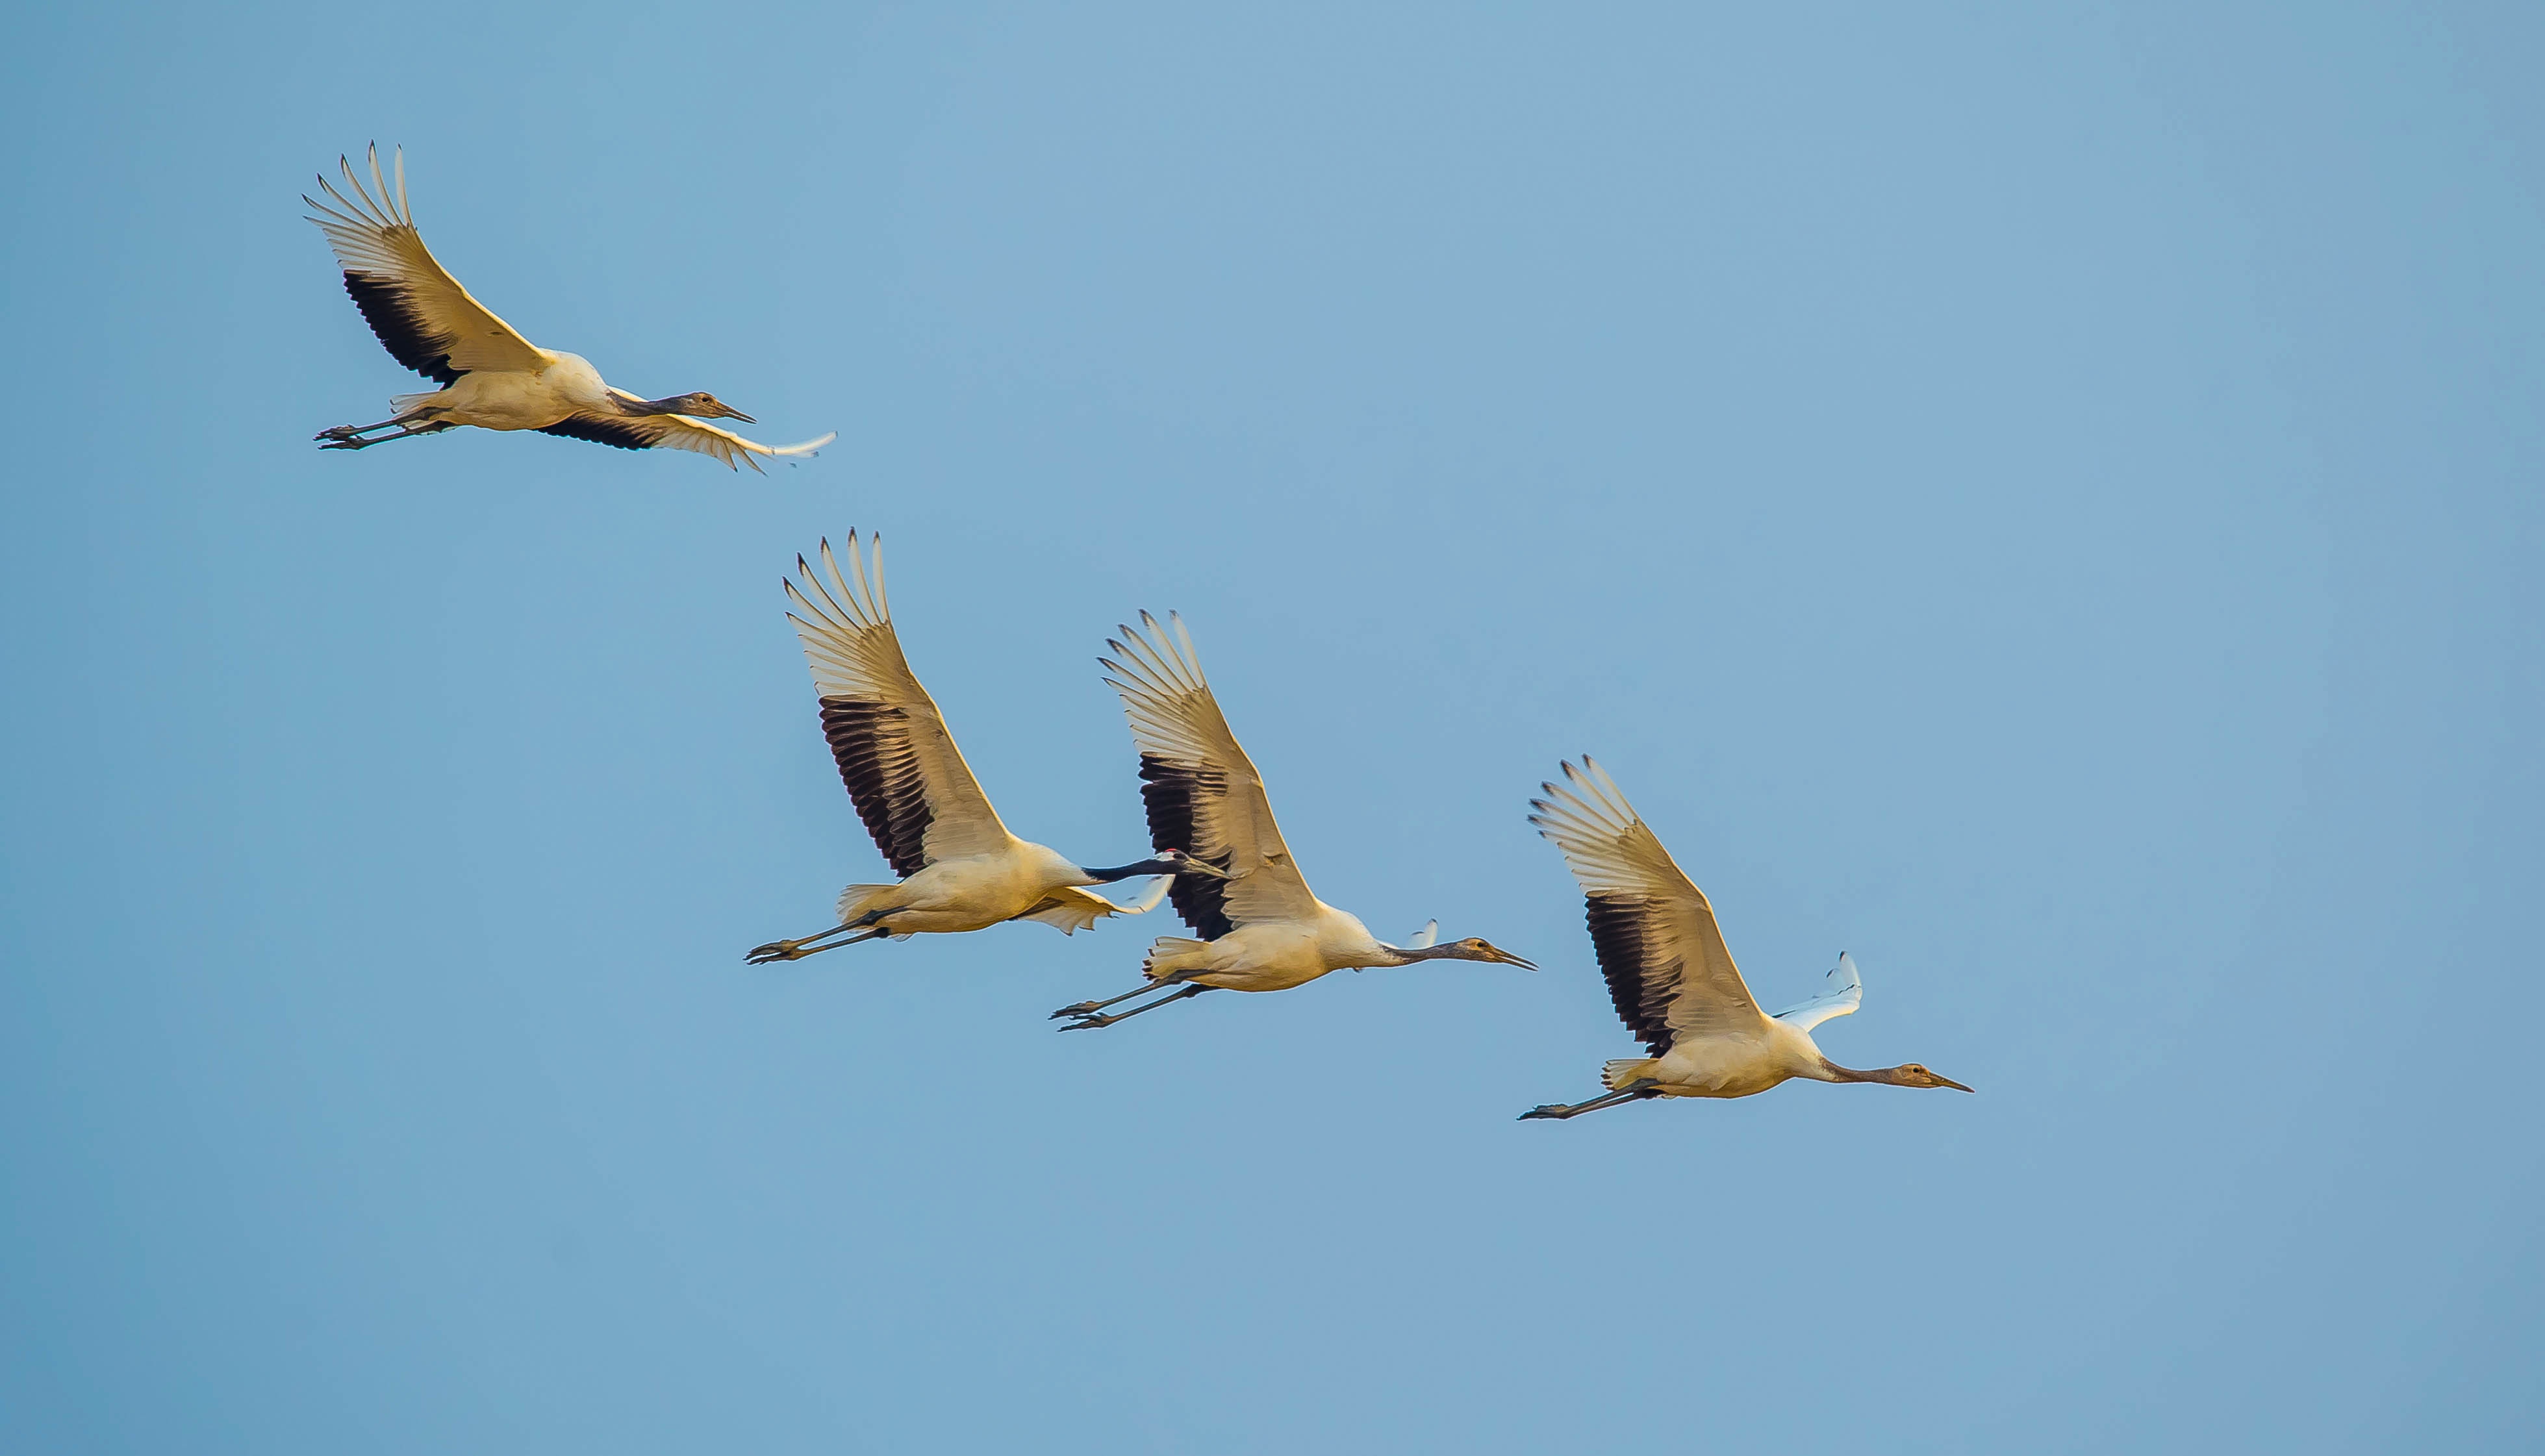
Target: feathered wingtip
{"points": [[735, 452], [1159, 663], [855, 608], [1605, 802], [388, 210]]}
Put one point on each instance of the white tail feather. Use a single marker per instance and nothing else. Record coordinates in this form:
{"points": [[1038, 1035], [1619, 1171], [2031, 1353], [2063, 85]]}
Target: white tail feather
{"points": [[1622, 1070], [853, 901]]}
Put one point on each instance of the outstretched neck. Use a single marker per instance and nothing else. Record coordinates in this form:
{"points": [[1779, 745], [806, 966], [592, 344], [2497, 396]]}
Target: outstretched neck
{"points": [[1128, 871], [1833, 1072], [1407, 956]]}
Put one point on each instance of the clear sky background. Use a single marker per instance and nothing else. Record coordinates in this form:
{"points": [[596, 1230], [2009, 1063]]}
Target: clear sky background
{"points": [[2044, 498]]}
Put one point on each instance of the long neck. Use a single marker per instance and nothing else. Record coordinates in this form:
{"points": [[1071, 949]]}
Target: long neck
{"points": [[1127, 871], [1407, 956], [670, 406], [1836, 1072]]}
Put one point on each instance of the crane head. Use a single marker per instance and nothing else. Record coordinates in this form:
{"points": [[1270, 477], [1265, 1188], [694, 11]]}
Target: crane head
{"points": [[1911, 1073], [701, 405], [1180, 862], [1476, 947]]}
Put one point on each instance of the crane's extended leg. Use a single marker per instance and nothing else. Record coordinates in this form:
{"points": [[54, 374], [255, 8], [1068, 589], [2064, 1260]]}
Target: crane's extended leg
{"points": [[1092, 1022], [348, 431], [351, 436], [1633, 1092], [798, 949], [1091, 1008]]}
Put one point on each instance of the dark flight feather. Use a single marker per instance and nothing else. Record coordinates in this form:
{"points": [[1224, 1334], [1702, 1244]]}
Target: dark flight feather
{"points": [[1641, 990], [1168, 790]]}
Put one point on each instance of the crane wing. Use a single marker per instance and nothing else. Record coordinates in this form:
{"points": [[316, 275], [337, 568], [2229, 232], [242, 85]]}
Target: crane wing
{"points": [[675, 432], [1072, 909], [1667, 966], [1842, 992], [424, 319], [1203, 794], [908, 781]]}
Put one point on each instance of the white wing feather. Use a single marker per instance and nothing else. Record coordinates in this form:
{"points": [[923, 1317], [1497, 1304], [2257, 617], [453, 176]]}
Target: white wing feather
{"points": [[1148, 899], [1842, 992], [680, 432]]}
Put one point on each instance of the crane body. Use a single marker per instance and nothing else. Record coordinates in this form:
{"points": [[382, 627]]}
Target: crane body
{"points": [[1732, 1065], [1276, 956], [557, 388], [1018, 880]]}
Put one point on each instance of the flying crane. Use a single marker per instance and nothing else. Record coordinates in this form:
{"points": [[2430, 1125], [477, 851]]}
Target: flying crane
{"points": [[1669, 973], [490, 376], [1260, 928]]}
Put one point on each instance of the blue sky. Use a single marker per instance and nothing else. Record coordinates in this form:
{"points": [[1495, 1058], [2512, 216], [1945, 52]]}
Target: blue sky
{"points": [[2044, 498]]}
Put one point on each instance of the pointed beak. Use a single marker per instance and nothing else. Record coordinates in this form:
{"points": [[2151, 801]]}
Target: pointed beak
{"points": [[732, 413], [1209, 871], [1948, 1082], [1504, 957]]}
